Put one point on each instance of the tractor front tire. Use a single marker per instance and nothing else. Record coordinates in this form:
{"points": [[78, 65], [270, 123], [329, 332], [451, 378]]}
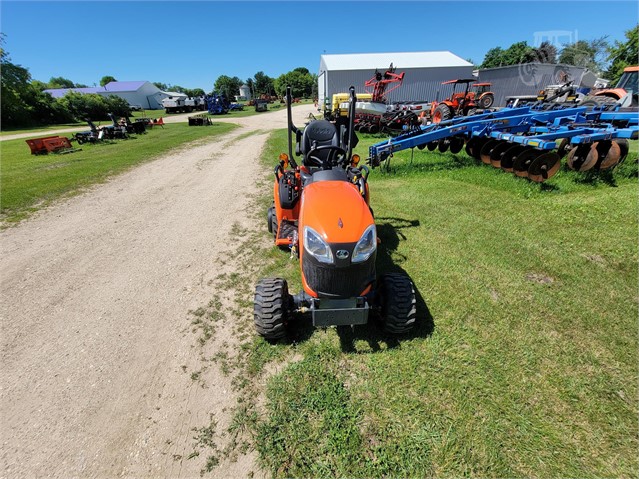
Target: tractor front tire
{"points": [[271, 308], [398, 304]]}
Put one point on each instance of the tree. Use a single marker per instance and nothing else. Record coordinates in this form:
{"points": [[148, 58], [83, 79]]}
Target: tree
{"points": [[14, 83], [23, 101], [302, 70], [301, 84], [251, 84], [546, 52], [314, 90], [263, 84], [106, 79], [623, 54], [588, 54], [493, 58], [519, 52], [161, 86], [193, 92], [228, 86], [60, 82]]}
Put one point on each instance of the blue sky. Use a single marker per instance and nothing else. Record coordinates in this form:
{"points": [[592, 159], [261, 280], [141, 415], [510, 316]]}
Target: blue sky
{"points": [[192, 43]]}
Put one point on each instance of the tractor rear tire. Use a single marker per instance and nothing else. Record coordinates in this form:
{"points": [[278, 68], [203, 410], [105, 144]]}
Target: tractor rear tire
{"points": [[398, 304], [598, 102], [486, 101], [271, 219], [442, 113], [271, 308]]}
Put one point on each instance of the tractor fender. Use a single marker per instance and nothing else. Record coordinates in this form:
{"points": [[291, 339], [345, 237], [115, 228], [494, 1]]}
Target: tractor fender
{"points": [[616, 93]]}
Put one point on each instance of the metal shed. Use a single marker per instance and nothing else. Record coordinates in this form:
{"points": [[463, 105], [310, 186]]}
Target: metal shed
{"points": [[529, 78], [425, 71]]}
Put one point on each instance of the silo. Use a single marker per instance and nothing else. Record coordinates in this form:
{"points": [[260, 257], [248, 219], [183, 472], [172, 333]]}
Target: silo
{"points": [[245, 92]]}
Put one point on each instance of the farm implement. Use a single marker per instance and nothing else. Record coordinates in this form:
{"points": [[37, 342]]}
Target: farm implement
{"points": [[527, 142], [51, 144]]}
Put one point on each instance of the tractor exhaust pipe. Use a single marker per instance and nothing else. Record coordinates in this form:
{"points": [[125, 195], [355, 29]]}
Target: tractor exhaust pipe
{"points": [[291, 127], [351, 122]]}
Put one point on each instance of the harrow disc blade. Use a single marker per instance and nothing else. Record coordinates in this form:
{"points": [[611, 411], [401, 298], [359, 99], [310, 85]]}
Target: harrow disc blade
{"points": [[544, 166], [564, 147], [593, 154], [522, 162], [431, 145], [470, 144], [509, 155], [443, 145], [612, 157], [580, 159], [624, 147], [479, 144], [421, 147], [484, 154], [497, 153], [373, 129], [456, 144]]}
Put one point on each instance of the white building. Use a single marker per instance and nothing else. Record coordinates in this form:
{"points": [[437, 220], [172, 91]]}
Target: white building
{"points": [[424, 73], [142, 93]]}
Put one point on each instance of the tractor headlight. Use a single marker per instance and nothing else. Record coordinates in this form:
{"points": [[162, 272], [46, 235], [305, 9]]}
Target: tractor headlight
{"points": [[316, 246], [366, 245]]}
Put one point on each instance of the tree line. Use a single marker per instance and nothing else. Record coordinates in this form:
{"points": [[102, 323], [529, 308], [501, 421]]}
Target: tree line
{"points": [[303, 84], [24, 102], [598, 55]]}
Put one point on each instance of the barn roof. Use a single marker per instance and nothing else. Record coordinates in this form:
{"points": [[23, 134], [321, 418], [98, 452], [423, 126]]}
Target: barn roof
{"points": [[60, 92], [111, 87], [401, 60], [124, 85]]}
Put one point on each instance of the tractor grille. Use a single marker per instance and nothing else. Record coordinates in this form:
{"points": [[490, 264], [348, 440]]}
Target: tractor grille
{"points": [[333, 281]]}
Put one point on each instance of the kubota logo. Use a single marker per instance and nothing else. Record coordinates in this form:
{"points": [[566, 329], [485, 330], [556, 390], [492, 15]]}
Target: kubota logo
{"points": [[341, 254]]}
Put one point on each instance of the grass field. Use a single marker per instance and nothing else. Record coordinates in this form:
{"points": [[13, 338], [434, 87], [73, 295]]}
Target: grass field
{"points": [[524, 361], [29, 182]]}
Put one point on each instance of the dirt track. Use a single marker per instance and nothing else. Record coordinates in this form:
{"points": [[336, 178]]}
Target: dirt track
{"points": [[96, 292]]}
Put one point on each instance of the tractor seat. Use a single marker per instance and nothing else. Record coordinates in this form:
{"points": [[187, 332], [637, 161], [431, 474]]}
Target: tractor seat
{"points": [[318, 133]]}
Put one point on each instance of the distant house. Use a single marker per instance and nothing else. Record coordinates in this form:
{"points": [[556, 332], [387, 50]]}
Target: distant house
{"points": [[142, 93]]}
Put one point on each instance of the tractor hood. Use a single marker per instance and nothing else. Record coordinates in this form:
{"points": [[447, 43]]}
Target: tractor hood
{"points": [[335, 210]]}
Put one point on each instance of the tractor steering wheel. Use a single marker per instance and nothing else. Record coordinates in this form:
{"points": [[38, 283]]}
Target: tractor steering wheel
{"points": [[329, 162]]}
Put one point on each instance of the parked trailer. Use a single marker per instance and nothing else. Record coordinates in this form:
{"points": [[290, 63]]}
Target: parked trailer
{"points": [[528, 142]]}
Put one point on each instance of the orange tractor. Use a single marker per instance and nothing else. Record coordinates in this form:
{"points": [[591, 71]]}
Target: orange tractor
{"points": [[321, 212], [465, 102], [628, 84]]}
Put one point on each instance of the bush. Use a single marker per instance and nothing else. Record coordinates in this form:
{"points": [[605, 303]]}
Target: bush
{"points": [[93, 106]]}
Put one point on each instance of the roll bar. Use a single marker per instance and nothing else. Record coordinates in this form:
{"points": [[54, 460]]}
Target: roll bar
{"points": [[291, 127]]}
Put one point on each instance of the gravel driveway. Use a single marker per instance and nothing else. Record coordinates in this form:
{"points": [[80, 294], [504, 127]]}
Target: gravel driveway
{"points": [[96, 294]]}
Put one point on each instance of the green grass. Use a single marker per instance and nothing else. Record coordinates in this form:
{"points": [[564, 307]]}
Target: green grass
{"points": [[29, 182], [525, 358]]}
